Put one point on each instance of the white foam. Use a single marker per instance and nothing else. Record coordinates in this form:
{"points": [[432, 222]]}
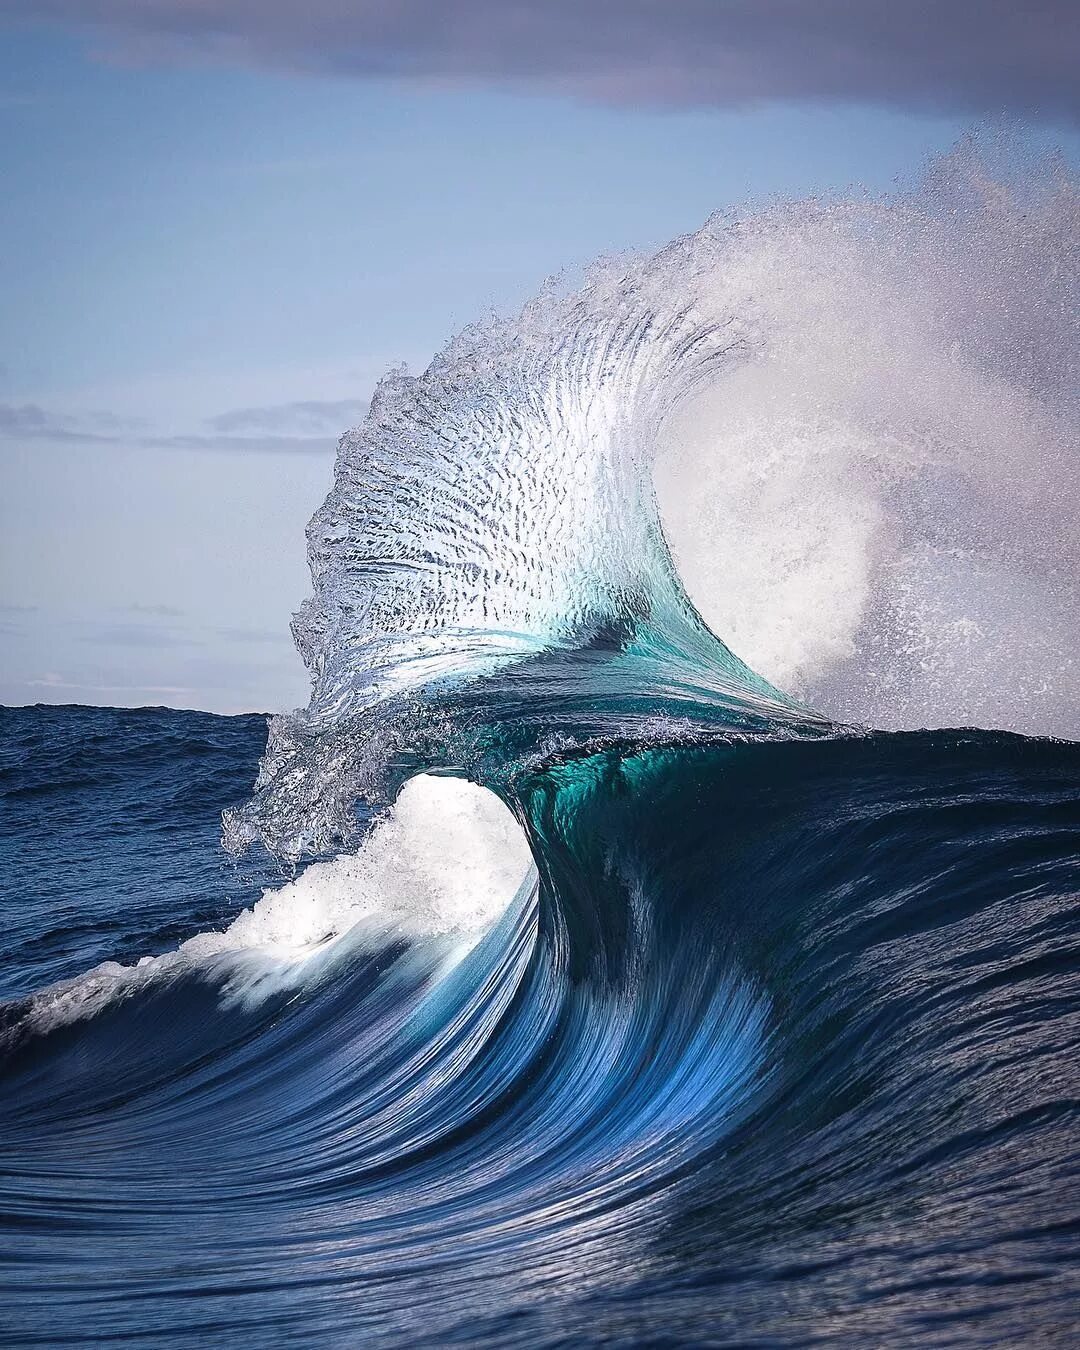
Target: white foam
{"points": [[446, 861], [448, 858], [877, 512]]}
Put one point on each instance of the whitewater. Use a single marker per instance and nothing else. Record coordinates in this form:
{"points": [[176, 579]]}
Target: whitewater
{"points": [[661, 926]]}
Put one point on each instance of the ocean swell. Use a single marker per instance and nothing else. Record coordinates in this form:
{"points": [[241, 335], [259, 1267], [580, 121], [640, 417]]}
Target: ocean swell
{"points": [[616, 991]]}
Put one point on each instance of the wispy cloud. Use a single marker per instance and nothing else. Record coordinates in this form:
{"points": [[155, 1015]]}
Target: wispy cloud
{"points": [[138, 635], [54, 680], [306, 417], [31, 422], [966, 55], [291, 445]]}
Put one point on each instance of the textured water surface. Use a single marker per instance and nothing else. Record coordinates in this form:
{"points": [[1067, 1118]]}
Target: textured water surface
{"points": [[582, 967]]}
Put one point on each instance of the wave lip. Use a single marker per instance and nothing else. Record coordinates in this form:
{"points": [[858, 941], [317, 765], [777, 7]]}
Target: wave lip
{"points": [[852, 420]]}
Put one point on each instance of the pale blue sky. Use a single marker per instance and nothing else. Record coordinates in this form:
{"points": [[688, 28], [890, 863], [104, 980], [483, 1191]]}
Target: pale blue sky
{"points": [[206, 267]]}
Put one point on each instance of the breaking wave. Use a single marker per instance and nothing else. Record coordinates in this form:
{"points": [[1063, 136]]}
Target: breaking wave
{"points": [[649, 967]]}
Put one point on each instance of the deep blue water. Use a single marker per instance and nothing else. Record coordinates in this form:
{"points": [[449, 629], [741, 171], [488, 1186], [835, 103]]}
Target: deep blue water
{"points": [[783, 1051]]}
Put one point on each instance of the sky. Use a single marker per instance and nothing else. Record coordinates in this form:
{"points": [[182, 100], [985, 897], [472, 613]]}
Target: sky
{"points": [[222, 221]]}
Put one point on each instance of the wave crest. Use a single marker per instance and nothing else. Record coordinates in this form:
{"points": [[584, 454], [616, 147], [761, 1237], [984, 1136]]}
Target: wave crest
{"points": [[859, 417]]}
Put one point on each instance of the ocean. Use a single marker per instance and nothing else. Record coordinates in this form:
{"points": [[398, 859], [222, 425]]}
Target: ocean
{"points": [[662, 925]]}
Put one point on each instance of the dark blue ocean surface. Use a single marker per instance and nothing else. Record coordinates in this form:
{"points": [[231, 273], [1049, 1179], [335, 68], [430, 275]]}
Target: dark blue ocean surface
{"points": [[111, 831], [781, 1049]]}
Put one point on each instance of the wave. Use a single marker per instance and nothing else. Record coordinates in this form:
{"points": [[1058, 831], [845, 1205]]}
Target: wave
{"points": [[397, 888], [839, 433], [778, 1043], [624, 992]]}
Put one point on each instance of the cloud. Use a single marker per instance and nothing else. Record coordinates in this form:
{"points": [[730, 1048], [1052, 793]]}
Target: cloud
{"points": [[52, 679], [31, 422], [965, 55], [291, 445], [28, 419], [305, 417], [138, 635]]}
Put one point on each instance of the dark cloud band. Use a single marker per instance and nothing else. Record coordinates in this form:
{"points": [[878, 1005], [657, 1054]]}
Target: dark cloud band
{"points": [[980, 56]]}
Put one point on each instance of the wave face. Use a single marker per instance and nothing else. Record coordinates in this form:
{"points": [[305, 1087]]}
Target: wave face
{"points": [[595, 987]]}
